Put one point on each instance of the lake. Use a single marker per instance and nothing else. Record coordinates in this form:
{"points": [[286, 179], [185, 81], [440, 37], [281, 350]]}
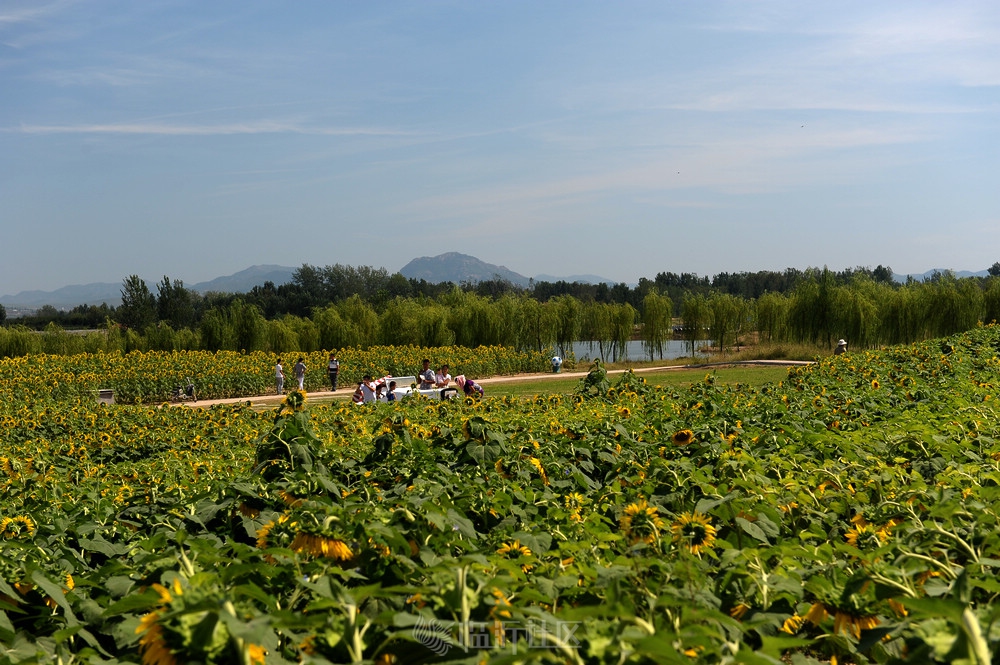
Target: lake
{"points": [[675, 348]]}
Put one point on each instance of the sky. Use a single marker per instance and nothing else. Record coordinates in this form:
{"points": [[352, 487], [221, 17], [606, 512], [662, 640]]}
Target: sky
{"points": [[194, 139]]}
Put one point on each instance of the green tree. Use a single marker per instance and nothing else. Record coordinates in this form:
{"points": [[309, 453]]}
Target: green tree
{"points": [[3, 315], [138, 308], [657, 313], [623, 317], [567, 312], [696, 316], [174, 303], [726, 313]]}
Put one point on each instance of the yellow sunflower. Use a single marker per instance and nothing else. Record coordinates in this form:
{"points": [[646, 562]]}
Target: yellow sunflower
{"points": [[683, 437], [641, 523], [694, 531], [12, 527], [321, 546], [867, 536], [514, 550]]}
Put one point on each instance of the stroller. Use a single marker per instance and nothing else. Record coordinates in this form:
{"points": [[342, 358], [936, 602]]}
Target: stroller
{"points": [[184, 393]]}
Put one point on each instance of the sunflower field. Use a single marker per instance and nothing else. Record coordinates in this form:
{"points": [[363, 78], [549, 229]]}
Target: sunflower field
{"points": [[151, 376], [847, 514]]}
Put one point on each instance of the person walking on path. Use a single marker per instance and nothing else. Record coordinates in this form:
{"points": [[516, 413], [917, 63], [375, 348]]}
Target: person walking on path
{"points": [[300, 372], [332, 370], [279, 376]]}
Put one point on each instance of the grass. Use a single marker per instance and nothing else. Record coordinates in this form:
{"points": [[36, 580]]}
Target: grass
{"points": [[679, 378]]}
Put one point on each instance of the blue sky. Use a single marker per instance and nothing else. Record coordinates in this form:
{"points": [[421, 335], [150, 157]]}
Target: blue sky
{"points": [[195, 139]]}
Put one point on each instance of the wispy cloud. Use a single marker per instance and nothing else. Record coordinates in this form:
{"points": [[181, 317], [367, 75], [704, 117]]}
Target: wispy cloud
{"points": [[260, 127], [31, 11]]}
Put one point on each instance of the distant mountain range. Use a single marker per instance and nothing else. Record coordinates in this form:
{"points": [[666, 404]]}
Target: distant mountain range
{"points": [[448, 267], [104, 292], [459, 268]]}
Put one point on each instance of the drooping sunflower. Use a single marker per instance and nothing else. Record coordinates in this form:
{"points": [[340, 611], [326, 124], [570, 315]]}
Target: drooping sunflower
{"points": [[693, 531], [322, 546], [12, 527], [152, 643], [641, 523], [294, 401], [683, 437]]}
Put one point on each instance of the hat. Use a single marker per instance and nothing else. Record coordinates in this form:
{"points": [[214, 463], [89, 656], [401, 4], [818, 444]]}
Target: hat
{"points": [[460, 380], [841, 343]]}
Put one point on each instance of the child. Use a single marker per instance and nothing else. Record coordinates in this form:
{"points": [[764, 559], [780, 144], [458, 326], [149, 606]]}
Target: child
{"points": [[391, 397], [468, 386]]}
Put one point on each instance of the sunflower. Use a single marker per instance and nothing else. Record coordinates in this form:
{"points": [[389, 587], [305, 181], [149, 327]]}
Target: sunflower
{"points": [[537, 463], [513, 550], [846, 623], [866, 536], [683, 437], [321, 546], [641, 523], [875, 384], [294, 401], [694, 531], [152, 643], [792, 624], [12, 527]]}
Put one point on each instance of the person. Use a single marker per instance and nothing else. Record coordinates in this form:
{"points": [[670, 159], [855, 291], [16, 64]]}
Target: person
{"points": [[279, 376], [332, 370], [468, 386], [442, 381], [380, 393], [391, 397], [841, 348], [300, 372], [370, 388], [427, 378], [556, 364]]}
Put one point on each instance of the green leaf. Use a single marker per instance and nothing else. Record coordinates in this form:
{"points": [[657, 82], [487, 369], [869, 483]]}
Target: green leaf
{"points": [[752, 529]]}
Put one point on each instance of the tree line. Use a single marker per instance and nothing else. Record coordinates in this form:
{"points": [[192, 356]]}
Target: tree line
{"points": [[343, 306]]}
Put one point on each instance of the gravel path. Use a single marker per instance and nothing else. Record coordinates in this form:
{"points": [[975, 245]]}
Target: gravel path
{"points": [[266, 399]]}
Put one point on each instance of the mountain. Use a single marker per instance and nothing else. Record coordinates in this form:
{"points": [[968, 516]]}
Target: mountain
{"points": [[458, 268], [68, 297], [583, 279], [245, 280], [930, 273]]}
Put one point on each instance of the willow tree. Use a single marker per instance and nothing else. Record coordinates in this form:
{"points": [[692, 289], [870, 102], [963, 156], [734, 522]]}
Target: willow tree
{"points": [[535, 325], [991, 298], [595, 326], [726, 311], [854, 315], [236, 327], [399, 322], [952, 305], [623, 318], [772, 317], [902, 317], [657, 315], [567, 318], [696, 315]]}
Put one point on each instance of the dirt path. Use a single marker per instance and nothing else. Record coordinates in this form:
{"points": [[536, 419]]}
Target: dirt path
{"points": [[347, 392]]}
